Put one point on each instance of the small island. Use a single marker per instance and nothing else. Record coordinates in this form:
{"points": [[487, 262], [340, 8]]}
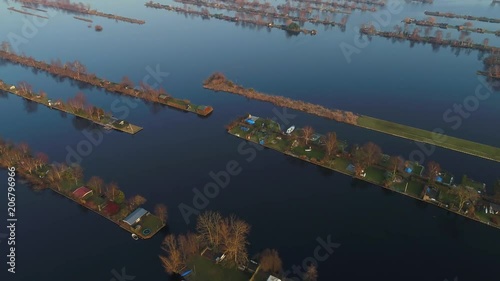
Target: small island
{"points": [[218, 251], [218, 82], [76, 106], [78, 8], [78, 72], [431, 183], [106, 200]]}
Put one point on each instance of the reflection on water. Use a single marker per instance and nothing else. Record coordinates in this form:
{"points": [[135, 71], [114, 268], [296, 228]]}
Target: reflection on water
{"points": [[30, 106]]}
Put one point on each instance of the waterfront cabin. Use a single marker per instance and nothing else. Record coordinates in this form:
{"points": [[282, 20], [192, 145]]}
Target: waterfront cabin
{"points": [[251, 119], [163, 97], [82, 193], [135, 216], [273, 278], [431, 194], [494, 209]]}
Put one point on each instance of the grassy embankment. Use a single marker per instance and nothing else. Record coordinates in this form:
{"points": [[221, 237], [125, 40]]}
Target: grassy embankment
{"points": [[217, 82], [411, 184]]}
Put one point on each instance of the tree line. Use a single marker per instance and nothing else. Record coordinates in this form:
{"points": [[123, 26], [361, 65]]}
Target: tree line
{"points": [[225, 235], [37, 170]]}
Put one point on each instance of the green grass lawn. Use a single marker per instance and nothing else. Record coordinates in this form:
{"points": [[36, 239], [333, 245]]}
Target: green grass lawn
{"points": [[415, 188], [375, 174], [152, 222], [206, 270], [461, 145]]}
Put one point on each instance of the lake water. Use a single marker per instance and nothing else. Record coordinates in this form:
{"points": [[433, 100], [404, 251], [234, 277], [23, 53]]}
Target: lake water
{"points": [[290, 204]]}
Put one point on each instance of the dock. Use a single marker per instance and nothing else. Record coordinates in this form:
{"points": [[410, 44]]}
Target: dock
{"points": [[104, 120]]}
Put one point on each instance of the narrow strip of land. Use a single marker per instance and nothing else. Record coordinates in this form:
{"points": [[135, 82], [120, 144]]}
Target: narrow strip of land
{"points": [[80, 8], [415, 37], [367, 163], [293, 27], [466, 17], [107, 200], [26, 13], [78, 72], [465, 27], [77, 108], [218, 82]]}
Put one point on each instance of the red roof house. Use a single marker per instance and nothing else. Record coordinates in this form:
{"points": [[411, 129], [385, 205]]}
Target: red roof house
{"points": [[82, 192]]}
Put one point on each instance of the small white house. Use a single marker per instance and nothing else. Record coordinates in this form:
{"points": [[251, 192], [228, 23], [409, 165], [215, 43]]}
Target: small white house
{"points": [[273, 278]]}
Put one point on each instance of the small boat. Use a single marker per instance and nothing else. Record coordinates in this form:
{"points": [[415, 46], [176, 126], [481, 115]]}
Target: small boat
{"points": [[290, 130], [135, 236], [308, 149]]}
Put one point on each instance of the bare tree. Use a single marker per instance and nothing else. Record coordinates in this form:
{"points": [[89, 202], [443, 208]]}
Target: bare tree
{"points": [[433, 170], [112, 191], [188, 245], [331, 143], [173, 262], [308, 132], [270, 261], [208, 227], [311, 273], [396, 163], [235, 247], [373, 153], [161, 212], [96, 183], [465, 194]]}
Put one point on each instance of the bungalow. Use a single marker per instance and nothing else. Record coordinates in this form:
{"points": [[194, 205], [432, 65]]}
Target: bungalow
{"points": [[494, 209], [163, 97], [82, 192], [251, 119], [273, 278], [135, 216], [431, 194]]}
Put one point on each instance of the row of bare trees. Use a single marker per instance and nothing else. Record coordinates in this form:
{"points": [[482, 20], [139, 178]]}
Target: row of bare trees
{"points": [[219, 82], [37, 170], [80, 8], [77, 71]]}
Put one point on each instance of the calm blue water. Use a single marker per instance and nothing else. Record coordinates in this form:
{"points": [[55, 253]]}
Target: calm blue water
{"points": [[290, 204]]}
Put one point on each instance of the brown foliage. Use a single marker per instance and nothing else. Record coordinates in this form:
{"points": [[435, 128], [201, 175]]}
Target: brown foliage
{"points": [[270, 261]]}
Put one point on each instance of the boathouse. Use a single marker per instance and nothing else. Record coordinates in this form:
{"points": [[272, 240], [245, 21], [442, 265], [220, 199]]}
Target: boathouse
{"points": [[136, 216], [82, 192]]}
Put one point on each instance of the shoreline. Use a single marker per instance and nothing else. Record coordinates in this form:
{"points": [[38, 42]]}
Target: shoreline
{"points": [[217, 82], [80, 74], [353, 175], [130, 128]]}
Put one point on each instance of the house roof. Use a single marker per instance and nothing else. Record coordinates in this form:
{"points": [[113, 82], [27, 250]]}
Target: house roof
{"points": [[495, 207], [111, 208], [82, 191], [273, 278], [432, 193], [135, 215]]}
